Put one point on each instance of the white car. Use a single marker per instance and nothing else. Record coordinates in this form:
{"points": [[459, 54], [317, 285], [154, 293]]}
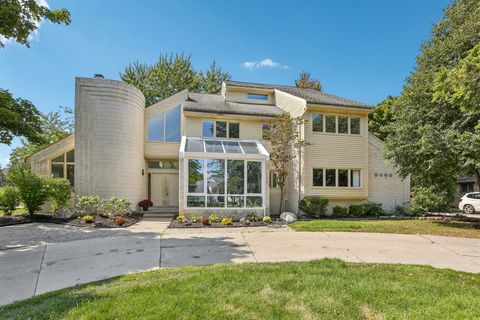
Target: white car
{"points": [[470, 202]]}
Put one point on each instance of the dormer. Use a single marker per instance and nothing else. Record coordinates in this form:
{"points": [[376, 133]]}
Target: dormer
{"points": [[248, 94]]}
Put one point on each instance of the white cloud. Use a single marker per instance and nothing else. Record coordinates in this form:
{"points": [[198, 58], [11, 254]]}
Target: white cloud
{"points": [[265, 63]]}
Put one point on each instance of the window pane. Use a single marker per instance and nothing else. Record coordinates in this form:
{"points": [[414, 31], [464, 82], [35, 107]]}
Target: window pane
{"points": [[71, 173], [60, 158], [196, 201], [256, 96], [355, 125], [208, 128], [216, 201], [71, 156], [249, 147], [235, 182], [274, 179], [330, 178], [221, 128], [154, 165], [330, 124], [170, 164], [342, 178], [355, 178], [266, 130], [342, 124], [194, 145], [215, 176], [234, 130], [213, 146], [195, 176], [57, 170], [156, 128], [235, 201], [172, 123], [317, 122], [232, 147], [254, 202], [254, 177], [318, 177]]}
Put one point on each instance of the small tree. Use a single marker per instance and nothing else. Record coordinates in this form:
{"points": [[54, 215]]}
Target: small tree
{"points": [[286, 144], [30, 186], [306, 81], [59, 192], [9, 199]]}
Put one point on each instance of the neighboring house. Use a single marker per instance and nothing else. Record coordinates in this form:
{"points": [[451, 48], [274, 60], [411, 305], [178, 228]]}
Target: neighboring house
{"points": [[205, 153], [465, 184]]}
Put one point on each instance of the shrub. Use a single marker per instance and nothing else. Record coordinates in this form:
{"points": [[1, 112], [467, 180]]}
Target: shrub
{"points": [[116, 206], [31, 187], [194, 219], [356, 210], [227, 221], [425, 199], [373, 209], [253, 217], [399, 210], [313, 206], [181, 218], [340, 211], [59, 192], [213, 218], [88, 218], [204, 221], [145, 203], [120, 220], [9, 199], [88, 205], [267, 219]]}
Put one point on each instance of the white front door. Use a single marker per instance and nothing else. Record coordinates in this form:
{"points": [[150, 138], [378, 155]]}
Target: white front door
{"points": [[164, 189]]}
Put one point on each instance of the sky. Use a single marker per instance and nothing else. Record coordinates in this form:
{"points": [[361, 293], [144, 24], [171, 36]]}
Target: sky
{"points": [[362, 50]]}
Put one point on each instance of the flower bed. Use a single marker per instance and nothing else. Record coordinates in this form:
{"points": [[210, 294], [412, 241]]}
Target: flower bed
{"points": [[213, 221]]}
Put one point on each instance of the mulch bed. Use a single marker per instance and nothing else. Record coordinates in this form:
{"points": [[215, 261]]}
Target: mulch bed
{"points": [[100, 222], [235, 224]]}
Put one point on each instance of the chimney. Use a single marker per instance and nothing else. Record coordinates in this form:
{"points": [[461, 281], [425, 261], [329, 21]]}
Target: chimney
{"points": [[98, 76]]}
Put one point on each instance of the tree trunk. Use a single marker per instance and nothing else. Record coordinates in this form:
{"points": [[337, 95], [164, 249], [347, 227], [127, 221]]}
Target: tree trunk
{"points": [[281, 199]]}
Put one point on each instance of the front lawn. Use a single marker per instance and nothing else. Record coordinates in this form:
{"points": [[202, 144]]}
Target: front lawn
{"points": [[17, 212], [326, 289], [442, 228]]}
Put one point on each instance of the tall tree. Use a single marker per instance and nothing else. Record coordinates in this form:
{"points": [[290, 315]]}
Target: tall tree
{"points": [[305, 80], [431, 138], [18, 117], [172, 74], [54, 126], [19, 18], [381, 117]]}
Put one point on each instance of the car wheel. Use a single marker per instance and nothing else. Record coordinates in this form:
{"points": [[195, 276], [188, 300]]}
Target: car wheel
{"points": [[468, 208]]}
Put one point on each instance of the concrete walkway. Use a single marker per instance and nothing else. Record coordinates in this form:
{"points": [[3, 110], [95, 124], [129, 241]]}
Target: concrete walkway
{"points": [[31, 268]]}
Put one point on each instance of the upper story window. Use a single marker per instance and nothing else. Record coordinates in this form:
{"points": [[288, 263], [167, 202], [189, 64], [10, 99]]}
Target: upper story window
{"points": [[220, 129], [257, 96], [336, 177], [335, 124], [63, 166], [165, 126]]}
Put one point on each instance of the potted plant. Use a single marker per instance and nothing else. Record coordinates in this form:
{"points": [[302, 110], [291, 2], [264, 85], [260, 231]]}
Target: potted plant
{"points": [[145, 204]]}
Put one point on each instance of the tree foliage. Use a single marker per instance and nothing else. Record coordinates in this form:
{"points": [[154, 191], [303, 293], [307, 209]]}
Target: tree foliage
{"points": [[305, 80], [172, 74], [32, 190], [433, 139], [19, 18], [18, 117], [381, 117]]}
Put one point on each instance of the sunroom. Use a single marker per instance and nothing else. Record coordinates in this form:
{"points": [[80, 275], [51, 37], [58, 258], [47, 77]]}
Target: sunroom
{"points": [[223, 176]]}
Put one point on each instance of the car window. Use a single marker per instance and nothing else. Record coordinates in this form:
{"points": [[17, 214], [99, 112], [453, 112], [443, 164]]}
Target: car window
{"points": [[474, 196]]}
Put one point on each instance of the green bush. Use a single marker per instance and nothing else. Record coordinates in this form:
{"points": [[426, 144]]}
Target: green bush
{"points": [[373, 209], [59, 192], [399, 210], [87, 205], [252, 217], [356, 210], [313, 206], [116, 207], [267, 219], [340, 211], [213, 218], [9, 199], [427, 199], [31, 187]]}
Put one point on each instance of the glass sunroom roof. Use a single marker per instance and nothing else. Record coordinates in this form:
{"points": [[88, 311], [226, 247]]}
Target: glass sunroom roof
{"points": [[194, 145]]}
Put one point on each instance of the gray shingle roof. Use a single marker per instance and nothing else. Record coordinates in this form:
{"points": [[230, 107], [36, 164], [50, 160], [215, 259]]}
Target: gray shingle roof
{"points": [[214, 103], [310, 95]]}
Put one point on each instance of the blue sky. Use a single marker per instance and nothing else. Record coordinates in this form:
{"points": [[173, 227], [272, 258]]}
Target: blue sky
{"points": [[361, 50]]}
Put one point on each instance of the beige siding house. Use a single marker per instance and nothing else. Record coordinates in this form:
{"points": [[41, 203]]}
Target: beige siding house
{"points": [[204, 153]]}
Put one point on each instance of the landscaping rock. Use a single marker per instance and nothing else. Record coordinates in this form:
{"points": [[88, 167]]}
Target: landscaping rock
{"points": [[288, 216], [65, 213]]}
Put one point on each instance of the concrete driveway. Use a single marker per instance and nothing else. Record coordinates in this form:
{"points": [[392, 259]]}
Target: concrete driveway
{"points": [[48, 257]]}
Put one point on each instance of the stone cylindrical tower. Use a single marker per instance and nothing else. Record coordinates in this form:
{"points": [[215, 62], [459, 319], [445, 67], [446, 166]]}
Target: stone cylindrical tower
{"points": [[109, 139]]}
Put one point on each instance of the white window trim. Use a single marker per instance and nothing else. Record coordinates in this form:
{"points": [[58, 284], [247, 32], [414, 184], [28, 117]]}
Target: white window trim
{"points": [[348, 187], [64, 163], [324, 120], [164, 113]]}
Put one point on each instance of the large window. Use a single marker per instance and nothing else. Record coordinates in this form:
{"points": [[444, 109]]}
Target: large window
{"points": [[317, 122], [335, 124], [63, 166], [336, 178], [318, 177], [165, 126], [220, 129], [224, 183]]}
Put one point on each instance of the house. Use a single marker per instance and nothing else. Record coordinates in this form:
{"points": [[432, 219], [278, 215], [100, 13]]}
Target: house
{"points": [[206, 153]]}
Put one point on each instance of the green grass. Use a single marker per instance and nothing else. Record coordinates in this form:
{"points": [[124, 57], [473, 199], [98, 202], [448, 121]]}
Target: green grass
{"points": [[325, 289], [442, 228], [17, 212]]}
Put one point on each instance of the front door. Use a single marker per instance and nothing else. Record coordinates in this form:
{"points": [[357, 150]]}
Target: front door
{"points": [[164, 189]]}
